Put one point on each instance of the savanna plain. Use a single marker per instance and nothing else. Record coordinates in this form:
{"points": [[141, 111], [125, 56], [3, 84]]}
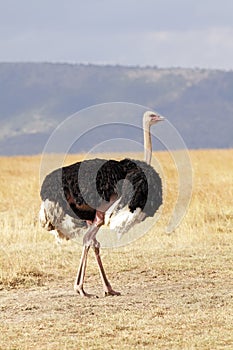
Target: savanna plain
{"points": [[176, 289]]}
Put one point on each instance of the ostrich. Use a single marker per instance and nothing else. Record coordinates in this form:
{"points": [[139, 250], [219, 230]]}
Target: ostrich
{"points": [[76, 198]]}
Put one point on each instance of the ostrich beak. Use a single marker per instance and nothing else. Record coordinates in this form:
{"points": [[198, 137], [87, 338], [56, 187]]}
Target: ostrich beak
{"points": [[161, 118], [157, 118]]}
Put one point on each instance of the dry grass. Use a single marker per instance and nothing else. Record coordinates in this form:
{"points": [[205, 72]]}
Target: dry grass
{"points": [[177, 290]]}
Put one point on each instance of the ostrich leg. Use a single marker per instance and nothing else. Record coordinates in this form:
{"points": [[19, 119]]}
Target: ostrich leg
{"points": [[90, 240], [106, 285], [78, 285], [99, 221], [87, 242]]}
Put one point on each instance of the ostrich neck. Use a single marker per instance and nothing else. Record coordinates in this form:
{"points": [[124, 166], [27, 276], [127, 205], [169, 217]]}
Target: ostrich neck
{"points": [[147, 143]]}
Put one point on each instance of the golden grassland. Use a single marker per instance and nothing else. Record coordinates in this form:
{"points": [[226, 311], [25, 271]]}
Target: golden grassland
{"points": [[177, 290]]}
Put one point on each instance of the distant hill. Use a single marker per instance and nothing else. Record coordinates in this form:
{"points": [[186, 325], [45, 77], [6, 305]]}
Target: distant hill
{"points": [[36, 97]]}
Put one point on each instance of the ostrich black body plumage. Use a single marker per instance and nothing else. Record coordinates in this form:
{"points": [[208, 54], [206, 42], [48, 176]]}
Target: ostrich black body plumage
{"points": [[79, 192], [143, 187]]}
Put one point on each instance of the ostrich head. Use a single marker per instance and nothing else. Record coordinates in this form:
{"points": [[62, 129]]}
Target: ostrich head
{"points": [[151, 118]]}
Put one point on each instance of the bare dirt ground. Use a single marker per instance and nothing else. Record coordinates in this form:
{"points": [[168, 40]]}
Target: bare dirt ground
{"points": [[182, 301]]}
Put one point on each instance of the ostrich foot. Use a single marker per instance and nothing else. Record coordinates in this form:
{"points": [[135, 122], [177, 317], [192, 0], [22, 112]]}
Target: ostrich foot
{"points": [[110, 291], [82, 293]]}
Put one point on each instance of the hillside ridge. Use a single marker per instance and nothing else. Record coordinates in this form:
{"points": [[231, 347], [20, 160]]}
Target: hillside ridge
{"points": [[36, 97]]}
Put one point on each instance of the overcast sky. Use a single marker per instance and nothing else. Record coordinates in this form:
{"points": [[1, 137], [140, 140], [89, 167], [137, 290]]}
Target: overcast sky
{"points": [[163, 33]]}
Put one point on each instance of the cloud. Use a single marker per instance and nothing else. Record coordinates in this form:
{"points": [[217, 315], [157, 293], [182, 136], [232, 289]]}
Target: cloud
{"points": [[153, 32], [204, 48], [208, 48]]}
